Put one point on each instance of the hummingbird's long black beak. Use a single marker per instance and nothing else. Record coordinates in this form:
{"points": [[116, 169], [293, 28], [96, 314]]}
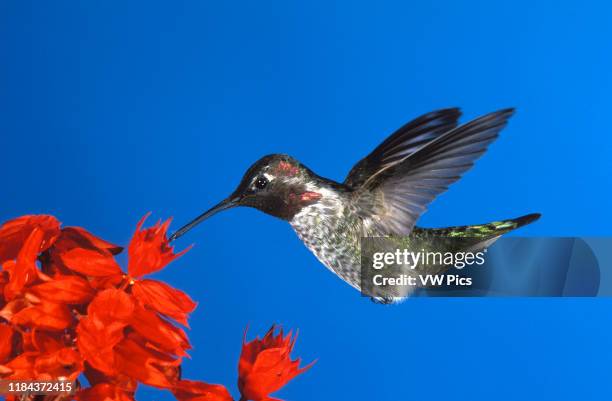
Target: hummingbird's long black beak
{"points": [[224, 204]]}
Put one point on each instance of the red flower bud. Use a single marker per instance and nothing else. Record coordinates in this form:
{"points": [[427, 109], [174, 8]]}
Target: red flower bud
{"points": [[265, 365]]}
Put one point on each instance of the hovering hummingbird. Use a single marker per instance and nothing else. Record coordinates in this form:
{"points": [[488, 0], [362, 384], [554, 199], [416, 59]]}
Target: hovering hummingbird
{"points": [[384, 194]]}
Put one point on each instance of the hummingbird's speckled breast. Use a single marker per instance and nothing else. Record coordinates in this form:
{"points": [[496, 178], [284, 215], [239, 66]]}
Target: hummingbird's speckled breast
{"points": [[332, 231]]}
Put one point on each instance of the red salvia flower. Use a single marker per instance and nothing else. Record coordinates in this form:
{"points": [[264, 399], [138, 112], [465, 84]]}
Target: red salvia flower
{"points": [[149, 250], [68, 310], [265, 365]]}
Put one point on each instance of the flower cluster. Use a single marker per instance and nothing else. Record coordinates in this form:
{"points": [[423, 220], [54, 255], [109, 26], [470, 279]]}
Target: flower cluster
{"points": [[68, 311]]}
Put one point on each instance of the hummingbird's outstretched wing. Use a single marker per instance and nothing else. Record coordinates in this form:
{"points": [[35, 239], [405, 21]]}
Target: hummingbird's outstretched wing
{"points": [[402, 143], [396, 193]]}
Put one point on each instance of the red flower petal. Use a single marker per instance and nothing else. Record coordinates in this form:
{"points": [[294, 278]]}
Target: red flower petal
{"points": [[107, 316], [63, 363], [37, 340], [163, 334], [94, 377], [146, 364], [14, 232], [23, 270], [111, 306], [104, 392], [77, 237], [90, 263], [149, 249], [191, 390], [13, 307], [22, 367], [96, 341], [265, 365], [108, 282], [46, 315], [4, 278], [66, 289], [7, 334], [164, 299]]}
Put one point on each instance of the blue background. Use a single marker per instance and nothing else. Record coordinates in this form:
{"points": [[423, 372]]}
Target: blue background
{"points": [[110, 110]]}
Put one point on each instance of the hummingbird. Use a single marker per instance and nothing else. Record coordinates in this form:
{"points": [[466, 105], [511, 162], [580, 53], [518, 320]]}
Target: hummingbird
{"points": [[383, 195]]}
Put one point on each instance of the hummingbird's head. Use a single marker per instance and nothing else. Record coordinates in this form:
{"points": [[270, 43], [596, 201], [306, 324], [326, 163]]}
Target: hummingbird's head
{"points": [[276, 184]]}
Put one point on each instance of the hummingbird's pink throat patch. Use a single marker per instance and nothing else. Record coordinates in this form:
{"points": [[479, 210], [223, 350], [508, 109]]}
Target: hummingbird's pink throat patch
{"points": [[304, 199], [310, 196]]}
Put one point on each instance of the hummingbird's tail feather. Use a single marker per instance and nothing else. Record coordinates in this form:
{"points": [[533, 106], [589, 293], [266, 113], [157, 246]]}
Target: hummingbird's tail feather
{"points": [[527, 219], [470, 238], [489, 230], [474, 238]]}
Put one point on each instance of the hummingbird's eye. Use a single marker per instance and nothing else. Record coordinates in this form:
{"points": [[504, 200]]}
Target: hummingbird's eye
{"points": [[261, 183]]}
